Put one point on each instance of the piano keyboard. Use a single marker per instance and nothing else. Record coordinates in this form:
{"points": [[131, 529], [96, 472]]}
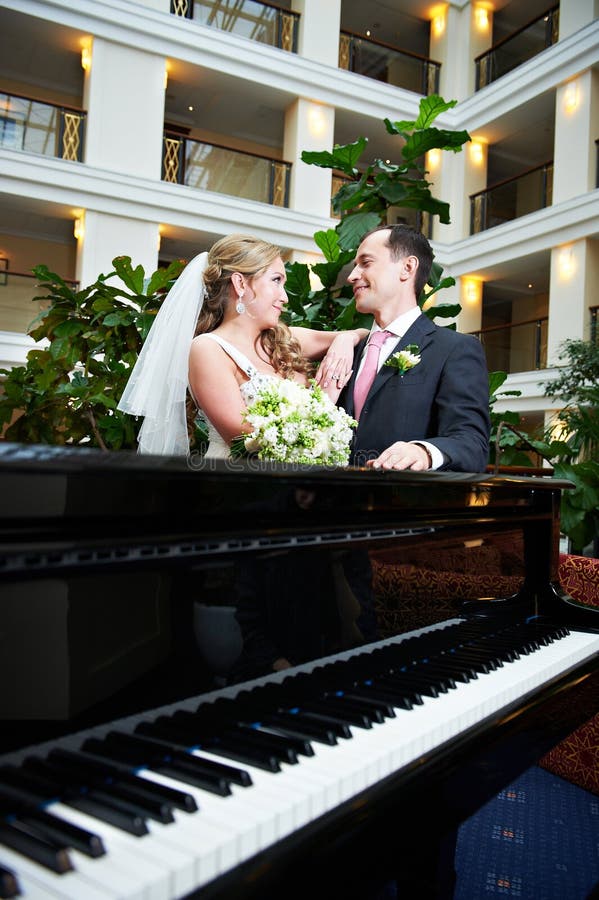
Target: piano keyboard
{"points": [[159, 805]]}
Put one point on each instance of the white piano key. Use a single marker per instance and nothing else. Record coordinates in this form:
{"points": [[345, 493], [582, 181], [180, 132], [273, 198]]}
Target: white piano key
{"points": [[139, 867], [37, 882]]}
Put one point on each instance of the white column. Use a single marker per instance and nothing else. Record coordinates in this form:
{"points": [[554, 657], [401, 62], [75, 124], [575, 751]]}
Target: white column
{"points": [[309, 126], [470, 29], [124, 98], [319, 26], [106, 236], [574, 275], [455, 176], [576, 128], [575, 14]]}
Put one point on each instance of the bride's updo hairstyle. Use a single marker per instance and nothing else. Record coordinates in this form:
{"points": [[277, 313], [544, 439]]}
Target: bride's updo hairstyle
{"points": [[251, 257]]}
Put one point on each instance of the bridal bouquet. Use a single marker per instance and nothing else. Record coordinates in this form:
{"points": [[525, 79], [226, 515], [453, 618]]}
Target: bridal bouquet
{"points": [[293, 423]]}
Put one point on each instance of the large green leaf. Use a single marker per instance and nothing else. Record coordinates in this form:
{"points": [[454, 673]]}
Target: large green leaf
{"points": [[328, 242], [421, 142], [343, 157], [353, 228], [132, 278]]}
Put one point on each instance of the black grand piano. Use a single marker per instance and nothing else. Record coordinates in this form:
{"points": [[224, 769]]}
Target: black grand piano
{"points": [[124, 771]]}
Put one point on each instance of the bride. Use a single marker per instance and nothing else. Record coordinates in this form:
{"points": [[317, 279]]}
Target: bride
{"points": [[218, 335]]}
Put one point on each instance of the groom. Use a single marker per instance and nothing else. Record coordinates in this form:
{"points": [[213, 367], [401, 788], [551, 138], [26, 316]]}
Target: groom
{"points": [[433, 411]]}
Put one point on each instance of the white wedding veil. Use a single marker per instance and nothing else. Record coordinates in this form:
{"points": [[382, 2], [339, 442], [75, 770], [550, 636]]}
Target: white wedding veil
{"points": [[157, 386]]}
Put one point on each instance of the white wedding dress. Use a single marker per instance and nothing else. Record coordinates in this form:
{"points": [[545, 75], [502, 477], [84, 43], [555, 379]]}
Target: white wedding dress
{"points": [[217, 447]]}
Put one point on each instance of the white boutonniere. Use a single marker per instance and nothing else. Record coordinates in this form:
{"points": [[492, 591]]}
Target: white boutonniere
{"points": [[404, 360]]}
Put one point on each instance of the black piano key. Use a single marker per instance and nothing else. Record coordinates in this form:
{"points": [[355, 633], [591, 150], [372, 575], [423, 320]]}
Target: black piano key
{"points": [[365, 695], [45, 851], [165, 764], [13, 776], [289, 723], [210, 766], [339, 710], [459, 672], [212, 777], [339, 727], [60, 830], [107, 811], [273, 743], [300, 745], [387, 694], [359, 705], [14, 799], [9, 885], [127, 800], [420, 687], [185, 771], [405, 695], [175, 798], [231, 748]]}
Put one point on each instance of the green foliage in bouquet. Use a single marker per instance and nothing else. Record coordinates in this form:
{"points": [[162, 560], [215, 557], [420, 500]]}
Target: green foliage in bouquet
{"points": [[362, 203], [89, 339]]}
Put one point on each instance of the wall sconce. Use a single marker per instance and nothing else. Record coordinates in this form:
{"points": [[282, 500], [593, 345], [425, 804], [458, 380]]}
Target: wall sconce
{"points": [[571, 97], [566, 262], [473, 291], [439, 24], [86, 57], [79, 228], [316, 121], [481, 18], [477, 152]]}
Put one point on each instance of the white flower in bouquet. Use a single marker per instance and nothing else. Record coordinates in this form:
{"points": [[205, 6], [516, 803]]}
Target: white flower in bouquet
{"points": [[297, 424]]}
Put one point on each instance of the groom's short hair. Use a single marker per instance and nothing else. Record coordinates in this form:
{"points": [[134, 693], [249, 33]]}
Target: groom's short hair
{"points": [[403, 241]]}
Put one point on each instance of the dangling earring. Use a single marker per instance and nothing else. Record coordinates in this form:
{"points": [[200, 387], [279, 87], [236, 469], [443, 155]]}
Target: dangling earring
{"points": [[240, 306]]}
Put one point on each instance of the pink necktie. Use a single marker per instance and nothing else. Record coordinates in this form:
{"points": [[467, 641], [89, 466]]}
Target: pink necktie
{"points": [[369, 370]]}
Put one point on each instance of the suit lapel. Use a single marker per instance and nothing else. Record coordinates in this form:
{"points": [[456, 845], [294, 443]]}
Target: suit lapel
{"points": [[420, 333]]}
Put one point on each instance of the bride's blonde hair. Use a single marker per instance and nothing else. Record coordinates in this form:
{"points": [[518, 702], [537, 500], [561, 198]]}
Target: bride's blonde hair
{"points": [[251, 257]]}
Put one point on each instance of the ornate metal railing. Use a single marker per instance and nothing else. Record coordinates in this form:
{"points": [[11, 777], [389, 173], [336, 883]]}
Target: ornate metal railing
{"points": [[519, 347], [518, 47], [514, 197], [17, 307], [215, 168], [594, 311], [384, 62], [253, 19], [38, 126]]}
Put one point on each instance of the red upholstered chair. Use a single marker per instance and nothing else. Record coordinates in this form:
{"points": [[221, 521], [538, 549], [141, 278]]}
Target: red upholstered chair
{"points": [[577, 757]]}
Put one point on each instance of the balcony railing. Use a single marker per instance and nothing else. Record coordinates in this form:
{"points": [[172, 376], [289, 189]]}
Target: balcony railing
{"points": [[214, 168], [389, 64], [517, 48], [37, 126], [17, 308], [507, 200], [253, 19], [520, 347]]}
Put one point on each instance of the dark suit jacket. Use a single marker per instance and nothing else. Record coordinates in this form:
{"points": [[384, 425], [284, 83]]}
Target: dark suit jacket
{"points": [[444, 400]]}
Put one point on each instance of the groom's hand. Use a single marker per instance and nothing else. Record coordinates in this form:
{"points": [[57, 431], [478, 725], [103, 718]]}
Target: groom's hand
{"points": [[402, 455]]}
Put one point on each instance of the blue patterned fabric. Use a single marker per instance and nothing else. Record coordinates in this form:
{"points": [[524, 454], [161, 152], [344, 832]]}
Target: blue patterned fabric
{"points": [[536, 840]]}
